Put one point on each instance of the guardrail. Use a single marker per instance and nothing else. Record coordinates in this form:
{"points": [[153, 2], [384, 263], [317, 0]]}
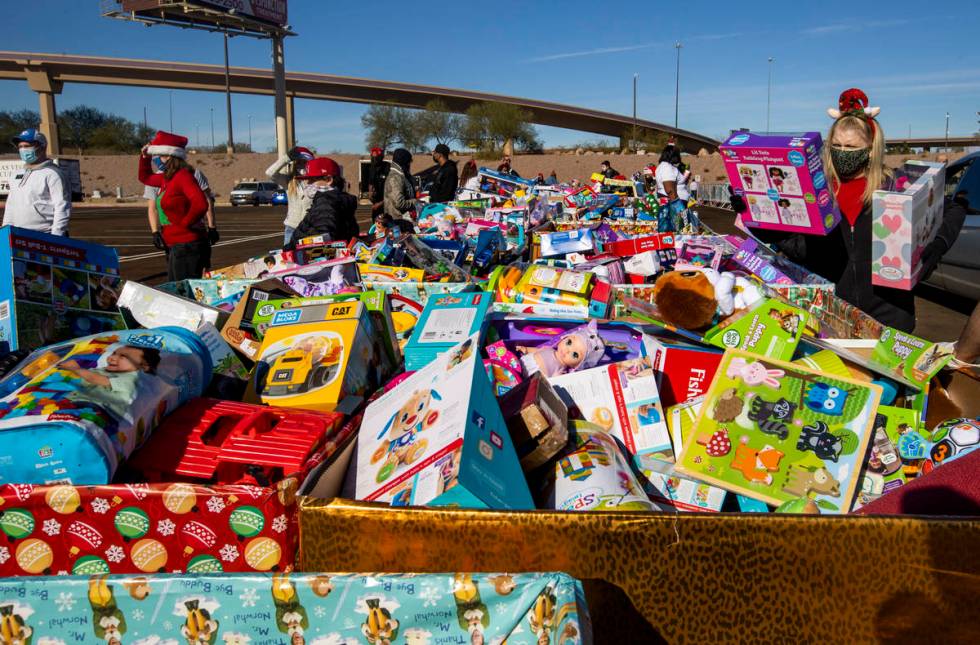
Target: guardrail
{"points": [[714, 195]]}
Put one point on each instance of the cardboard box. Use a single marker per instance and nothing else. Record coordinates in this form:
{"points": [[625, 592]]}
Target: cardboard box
{"points": [[445, 322], [150, 307], [537, 419], [54, 288], [782, 180], [637, 245], [904, 222], [684, 371], [329, 365], [438, 438], [207, 292], [237, 330], [562, 242], [384, 273]]}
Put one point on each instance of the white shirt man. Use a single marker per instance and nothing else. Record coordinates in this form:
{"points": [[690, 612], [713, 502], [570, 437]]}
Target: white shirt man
{"points": [[40, 194]]}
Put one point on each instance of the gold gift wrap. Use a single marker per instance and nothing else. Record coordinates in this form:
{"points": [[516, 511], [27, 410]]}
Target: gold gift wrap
{"points": [[694, 577]]}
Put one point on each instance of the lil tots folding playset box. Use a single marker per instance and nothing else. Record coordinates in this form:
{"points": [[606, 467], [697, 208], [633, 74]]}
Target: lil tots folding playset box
{"points": [[440, 439], [782, 180]]}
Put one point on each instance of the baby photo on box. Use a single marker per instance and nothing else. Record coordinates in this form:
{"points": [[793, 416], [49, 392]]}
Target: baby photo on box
{"points": [[785, 180]]}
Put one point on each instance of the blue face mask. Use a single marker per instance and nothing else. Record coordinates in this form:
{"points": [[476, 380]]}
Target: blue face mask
{"points": [[159, 164], [28, 155]]}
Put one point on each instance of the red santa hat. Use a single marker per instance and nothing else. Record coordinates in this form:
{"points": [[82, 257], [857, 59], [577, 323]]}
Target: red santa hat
{"points": [[853, 101], [168, 144]]}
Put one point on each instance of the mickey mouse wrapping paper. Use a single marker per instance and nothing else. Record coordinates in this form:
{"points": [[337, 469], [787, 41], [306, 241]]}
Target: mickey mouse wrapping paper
{"points": [[778, 432], [297, 608]]}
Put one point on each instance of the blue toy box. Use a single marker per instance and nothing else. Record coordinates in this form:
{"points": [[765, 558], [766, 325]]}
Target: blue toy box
{"points": [[445, 322], [438, 438], [53, 288]]}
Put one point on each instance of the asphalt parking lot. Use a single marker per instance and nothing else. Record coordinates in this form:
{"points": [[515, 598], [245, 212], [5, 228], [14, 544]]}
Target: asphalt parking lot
{"points": [[250, 231]]}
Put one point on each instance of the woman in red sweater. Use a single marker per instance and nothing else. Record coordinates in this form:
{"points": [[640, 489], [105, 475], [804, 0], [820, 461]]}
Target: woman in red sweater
{"points": [[180, 205]]}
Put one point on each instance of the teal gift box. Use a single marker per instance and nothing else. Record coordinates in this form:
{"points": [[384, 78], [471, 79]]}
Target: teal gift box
{"points": [[446, 321]]}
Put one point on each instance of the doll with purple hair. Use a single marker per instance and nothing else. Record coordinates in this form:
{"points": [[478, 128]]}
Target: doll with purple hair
{"points": [[577, 349]]}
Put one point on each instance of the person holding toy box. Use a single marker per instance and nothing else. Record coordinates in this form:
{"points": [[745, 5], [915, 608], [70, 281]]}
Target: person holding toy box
{"points": [[854, 160]]}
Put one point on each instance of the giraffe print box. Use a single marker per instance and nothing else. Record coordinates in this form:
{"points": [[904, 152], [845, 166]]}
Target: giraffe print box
{"points": [[779, 432]]}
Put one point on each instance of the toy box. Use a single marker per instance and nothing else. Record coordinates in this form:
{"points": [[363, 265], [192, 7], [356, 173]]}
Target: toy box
{"points": [[904, 222], [228, 373], [257, 267], [663, 242], [537, 419], [684, 371], [547, 285], [384, 273], [777, 432], [433, 262], [883, 469], [563, 242], [320, 609], [622, 399], [321, 278], [207, 292], [782, 180], [445, 322], [237, 330], [145, 528], [438, 438], [329, 365], [53, 288], [149, 307], [671, 492], [72, 412]]}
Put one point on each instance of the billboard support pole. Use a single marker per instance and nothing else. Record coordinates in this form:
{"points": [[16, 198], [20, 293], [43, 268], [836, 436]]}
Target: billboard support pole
{"points": [[230, 147], [279, 74]]}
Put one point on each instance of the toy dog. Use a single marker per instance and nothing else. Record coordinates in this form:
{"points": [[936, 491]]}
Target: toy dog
{"points": [[404, 447]]}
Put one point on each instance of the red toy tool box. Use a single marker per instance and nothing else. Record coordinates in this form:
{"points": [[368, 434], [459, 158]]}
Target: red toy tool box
{"points": [[212, 441]]}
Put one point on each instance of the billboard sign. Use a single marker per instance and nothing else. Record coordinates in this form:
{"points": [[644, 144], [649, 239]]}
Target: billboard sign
{"points": [[268, 11]]}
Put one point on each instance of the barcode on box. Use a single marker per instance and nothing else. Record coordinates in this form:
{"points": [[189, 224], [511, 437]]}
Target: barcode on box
{"points": [[4, 310]]}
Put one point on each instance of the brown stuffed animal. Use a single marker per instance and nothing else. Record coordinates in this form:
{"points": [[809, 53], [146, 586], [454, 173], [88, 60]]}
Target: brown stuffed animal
{"points": [[685, 299]]}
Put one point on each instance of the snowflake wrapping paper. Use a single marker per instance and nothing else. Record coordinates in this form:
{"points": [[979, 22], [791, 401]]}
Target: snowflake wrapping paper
{"points": [[146, 528], [319, 609]]}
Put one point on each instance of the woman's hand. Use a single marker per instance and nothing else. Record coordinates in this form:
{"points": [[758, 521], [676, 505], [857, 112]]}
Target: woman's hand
{"points": [[143, 151]]}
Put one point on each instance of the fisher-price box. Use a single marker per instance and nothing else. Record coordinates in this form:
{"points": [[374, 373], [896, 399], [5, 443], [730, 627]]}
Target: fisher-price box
{"points": [[904, 222], [782, 180], [330, 365], [439, 439], [53, 288], [446, 321]]}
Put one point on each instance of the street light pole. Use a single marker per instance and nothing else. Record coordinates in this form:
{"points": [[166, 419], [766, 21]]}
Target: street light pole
{"points": [[250, 133], [947, 132], [197, 131], [633, 139], [171, 110], [769, 95], [212, 129], [677, 86], [230, 147]]}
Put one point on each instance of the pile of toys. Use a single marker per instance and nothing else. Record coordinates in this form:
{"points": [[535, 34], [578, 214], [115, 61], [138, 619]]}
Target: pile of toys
{"points": [[573, 348]]}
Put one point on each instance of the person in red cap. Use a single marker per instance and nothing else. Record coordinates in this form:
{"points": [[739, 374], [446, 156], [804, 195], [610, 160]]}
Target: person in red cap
{"points": [[181, 206], [286, 171], [332, 211]]}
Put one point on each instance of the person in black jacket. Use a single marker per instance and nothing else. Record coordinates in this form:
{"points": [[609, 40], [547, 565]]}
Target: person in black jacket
{"points": [[446, 178], [332, 212], [607, 170]]}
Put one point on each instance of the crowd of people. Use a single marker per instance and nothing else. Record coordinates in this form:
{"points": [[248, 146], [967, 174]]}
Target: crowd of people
{"points": [[180, 205]]}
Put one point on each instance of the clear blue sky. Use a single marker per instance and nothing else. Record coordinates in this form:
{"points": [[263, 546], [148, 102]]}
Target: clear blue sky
{"points": [[916, 60]]}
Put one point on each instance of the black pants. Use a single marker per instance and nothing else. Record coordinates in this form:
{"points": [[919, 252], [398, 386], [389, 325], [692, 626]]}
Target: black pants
{"points": [[187, 261]]}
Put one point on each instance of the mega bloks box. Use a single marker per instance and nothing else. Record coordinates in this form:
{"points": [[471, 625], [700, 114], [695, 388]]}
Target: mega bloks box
{"points": [[146, 528], [54, 288], [438, 438], [330, 365], [445, 322], [904, 222], [317, 608], [782, 180], [237, 330]]}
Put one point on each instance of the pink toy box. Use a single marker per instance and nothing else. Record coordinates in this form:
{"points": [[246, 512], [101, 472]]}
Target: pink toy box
{"points": [[782, 180]]}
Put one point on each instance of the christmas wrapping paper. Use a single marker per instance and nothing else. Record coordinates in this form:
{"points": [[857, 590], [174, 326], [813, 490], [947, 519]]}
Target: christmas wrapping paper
{"points": [[146, 528], [320, 609]]}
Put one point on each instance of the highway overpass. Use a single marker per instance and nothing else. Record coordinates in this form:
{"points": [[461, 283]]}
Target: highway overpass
{"points": [[936, 142], [47, 73]]}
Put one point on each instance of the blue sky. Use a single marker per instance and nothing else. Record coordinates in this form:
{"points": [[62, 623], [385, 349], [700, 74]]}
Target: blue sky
{"points": [[916, 60]]}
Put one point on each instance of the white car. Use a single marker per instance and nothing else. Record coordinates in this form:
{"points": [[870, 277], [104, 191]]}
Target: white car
{"points": [[253, 192]]}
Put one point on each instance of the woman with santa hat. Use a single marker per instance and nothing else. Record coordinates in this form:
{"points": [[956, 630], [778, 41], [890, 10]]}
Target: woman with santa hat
{"points": [[854, 162], [180, 205]]}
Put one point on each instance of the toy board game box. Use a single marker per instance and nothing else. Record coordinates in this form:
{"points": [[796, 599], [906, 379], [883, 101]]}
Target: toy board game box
{"points": [[54, 288], [329, 365], [438, 438], [777, 432], [782, 180], [446, 321], [904, 222], [317, 608]]}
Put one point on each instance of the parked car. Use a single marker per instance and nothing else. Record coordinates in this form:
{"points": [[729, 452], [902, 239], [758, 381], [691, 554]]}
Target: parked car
{"points": [[959, 270], [253, 192], [279, 197]]}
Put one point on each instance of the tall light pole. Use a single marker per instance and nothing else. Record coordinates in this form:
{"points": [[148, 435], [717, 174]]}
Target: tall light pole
{"points": [[171, 110], [212, 129], [947, 132], [230, 146], [677, 86], [197, 134], [769, 95], [633, 140], [250, 133]]}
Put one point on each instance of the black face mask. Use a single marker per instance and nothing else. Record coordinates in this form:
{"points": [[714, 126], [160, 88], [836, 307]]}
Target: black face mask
{"points": [[848, 163]]}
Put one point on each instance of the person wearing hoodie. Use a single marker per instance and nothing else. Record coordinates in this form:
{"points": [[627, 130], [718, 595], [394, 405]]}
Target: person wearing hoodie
{"points": [[399, 192], [40, 195], [288, 180], [181, 206], [446, 177], [332, 211]]}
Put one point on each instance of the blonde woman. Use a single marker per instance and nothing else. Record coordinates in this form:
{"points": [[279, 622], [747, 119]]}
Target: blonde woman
{"points": [[287, 178]]}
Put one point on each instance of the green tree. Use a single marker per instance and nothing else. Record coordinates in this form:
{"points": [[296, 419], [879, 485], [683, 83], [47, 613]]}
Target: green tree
{"points": [[389, 125], [437, 123], [13, 123], [77, 124], [489, 125]]}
